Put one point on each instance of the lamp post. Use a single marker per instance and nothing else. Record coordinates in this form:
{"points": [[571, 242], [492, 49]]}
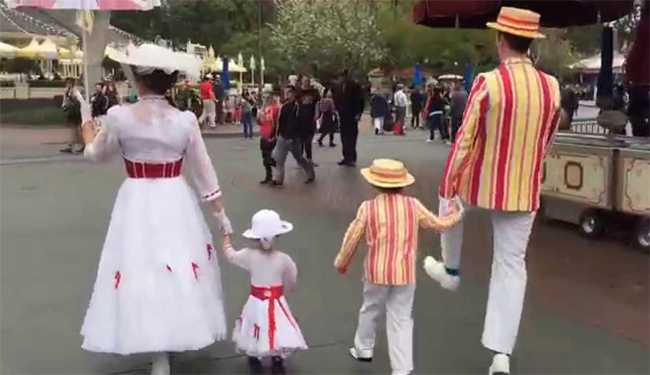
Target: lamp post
{"points": [[262, 69], [240, 62], [252, 65]]}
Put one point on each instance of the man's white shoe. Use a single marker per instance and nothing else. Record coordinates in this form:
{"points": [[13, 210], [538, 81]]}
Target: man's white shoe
{"points": [[500, 365], [436, 270], [160, 365]]}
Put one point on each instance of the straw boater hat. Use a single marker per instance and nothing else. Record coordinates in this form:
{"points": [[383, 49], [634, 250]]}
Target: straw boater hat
{"points": [[267, 224], [148, 57], [520, 22], [387, 173]]}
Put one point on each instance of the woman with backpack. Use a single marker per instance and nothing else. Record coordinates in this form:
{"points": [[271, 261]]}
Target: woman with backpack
{"points": [[72, 109]]}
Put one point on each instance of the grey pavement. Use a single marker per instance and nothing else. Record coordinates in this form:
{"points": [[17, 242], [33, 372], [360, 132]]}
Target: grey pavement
{"points": [[586, 310]]}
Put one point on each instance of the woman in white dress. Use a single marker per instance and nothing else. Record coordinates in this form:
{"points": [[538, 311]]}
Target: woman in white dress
{"points": [[266, 327], [158, 286]]}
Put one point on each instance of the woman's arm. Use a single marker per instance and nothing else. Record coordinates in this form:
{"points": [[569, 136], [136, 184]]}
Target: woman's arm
{"points": [[205, 176]]}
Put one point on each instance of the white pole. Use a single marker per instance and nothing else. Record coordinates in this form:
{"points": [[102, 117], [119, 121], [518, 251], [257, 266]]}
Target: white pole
{"points": [[85, 48]]}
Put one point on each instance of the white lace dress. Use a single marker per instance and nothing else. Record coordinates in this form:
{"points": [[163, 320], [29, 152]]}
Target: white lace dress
{"points": [[158, 284], [266, 326]]}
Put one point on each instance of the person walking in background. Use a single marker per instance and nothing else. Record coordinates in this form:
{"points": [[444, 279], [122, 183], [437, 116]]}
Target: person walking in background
{"points": [[112, 95], [496, 164], [417, 101], [307, 100], [72, 109], [183, 96], [288, 140], [570, 103], [350, 103], [378, 111], [207, 95], [99, 101], [327, 111], [268, 122], [247, 115], [435, 110], [401, 102], [458, 102]]}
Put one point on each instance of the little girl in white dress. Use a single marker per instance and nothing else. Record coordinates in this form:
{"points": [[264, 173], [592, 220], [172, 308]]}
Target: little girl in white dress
{"points": [[266, 327]]}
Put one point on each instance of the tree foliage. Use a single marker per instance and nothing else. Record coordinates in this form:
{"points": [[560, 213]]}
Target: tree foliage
{"points": [[325, 36], [320, 37]]}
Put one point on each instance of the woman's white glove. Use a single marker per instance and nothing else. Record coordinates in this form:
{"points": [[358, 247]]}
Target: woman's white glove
{"points": [[224, 222], [86, 112]]}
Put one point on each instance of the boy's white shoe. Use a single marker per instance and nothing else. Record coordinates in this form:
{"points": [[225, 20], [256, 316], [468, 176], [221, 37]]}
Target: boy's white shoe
{"points": [[359, 356], [500, 365], [160, 365], [436, 270]]}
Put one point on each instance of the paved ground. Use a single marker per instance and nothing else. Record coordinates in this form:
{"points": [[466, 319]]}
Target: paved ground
{"points": [[587, 303]]}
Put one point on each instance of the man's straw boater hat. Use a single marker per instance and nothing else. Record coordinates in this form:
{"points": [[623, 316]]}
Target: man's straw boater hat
{"points": [[520, 22], [387, 173]]}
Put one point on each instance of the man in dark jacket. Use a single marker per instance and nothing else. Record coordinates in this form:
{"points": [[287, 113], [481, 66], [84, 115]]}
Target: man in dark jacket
{"points": [[379, 111], [458, 102], [289, 139], [417, 101], [349, 103]]}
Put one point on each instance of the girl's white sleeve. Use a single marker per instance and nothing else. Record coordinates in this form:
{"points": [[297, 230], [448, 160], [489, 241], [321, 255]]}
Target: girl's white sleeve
{"points": [[290, 274]]}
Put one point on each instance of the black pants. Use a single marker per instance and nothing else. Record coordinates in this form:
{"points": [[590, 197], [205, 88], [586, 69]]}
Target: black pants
{"points": [[268, 162], [305, 145], [436, 122], [415, 120], [327, 127], [455, 126], [322, 136], [640, 126], [349, 134]]}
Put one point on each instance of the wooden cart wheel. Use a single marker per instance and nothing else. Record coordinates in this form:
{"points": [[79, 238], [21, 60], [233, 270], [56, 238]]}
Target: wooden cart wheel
{"points": [[641, 234], [592, 224]]}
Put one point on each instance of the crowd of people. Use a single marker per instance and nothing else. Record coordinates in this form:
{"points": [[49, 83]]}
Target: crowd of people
{"points": [[439, 110], [105, 96]]}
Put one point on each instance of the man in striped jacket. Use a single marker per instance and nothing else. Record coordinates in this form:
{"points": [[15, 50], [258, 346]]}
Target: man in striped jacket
{"points": [[495, 164]]}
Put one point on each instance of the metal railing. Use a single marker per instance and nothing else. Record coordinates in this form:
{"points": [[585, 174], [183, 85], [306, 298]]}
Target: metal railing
{"points": [[587, 126]]}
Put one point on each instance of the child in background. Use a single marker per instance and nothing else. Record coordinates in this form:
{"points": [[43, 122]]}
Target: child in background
{"points": [[268, 118], [390, 222], [266, 327]]}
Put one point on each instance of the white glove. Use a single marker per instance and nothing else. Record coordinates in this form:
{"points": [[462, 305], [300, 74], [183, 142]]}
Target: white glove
{"points": [[444, 205], [224, 222], [86, 112]]}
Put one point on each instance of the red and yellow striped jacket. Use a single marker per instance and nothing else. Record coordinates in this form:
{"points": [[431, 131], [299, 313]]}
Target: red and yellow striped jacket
{"points": [[390, 223], [511, 117]]}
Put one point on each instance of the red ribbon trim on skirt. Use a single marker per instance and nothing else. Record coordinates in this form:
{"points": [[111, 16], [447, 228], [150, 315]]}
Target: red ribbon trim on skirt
{"points": [[272, 294]]}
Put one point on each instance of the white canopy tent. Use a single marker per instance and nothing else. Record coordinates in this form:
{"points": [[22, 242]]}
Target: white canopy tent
{"points": [[7, 50], [233, 67], [592, 64]]}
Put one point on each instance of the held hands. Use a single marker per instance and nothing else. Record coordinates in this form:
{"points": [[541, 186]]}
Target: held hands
{"points": [[454, 206], [224, 222]]}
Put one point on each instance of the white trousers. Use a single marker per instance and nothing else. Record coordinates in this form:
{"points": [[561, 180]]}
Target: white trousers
{"points": [[511, 231], [378, 122], [209, 112], [397, 300]]}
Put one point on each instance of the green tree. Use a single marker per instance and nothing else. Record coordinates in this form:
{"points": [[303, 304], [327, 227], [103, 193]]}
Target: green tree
{"points": [[322, 37]]}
